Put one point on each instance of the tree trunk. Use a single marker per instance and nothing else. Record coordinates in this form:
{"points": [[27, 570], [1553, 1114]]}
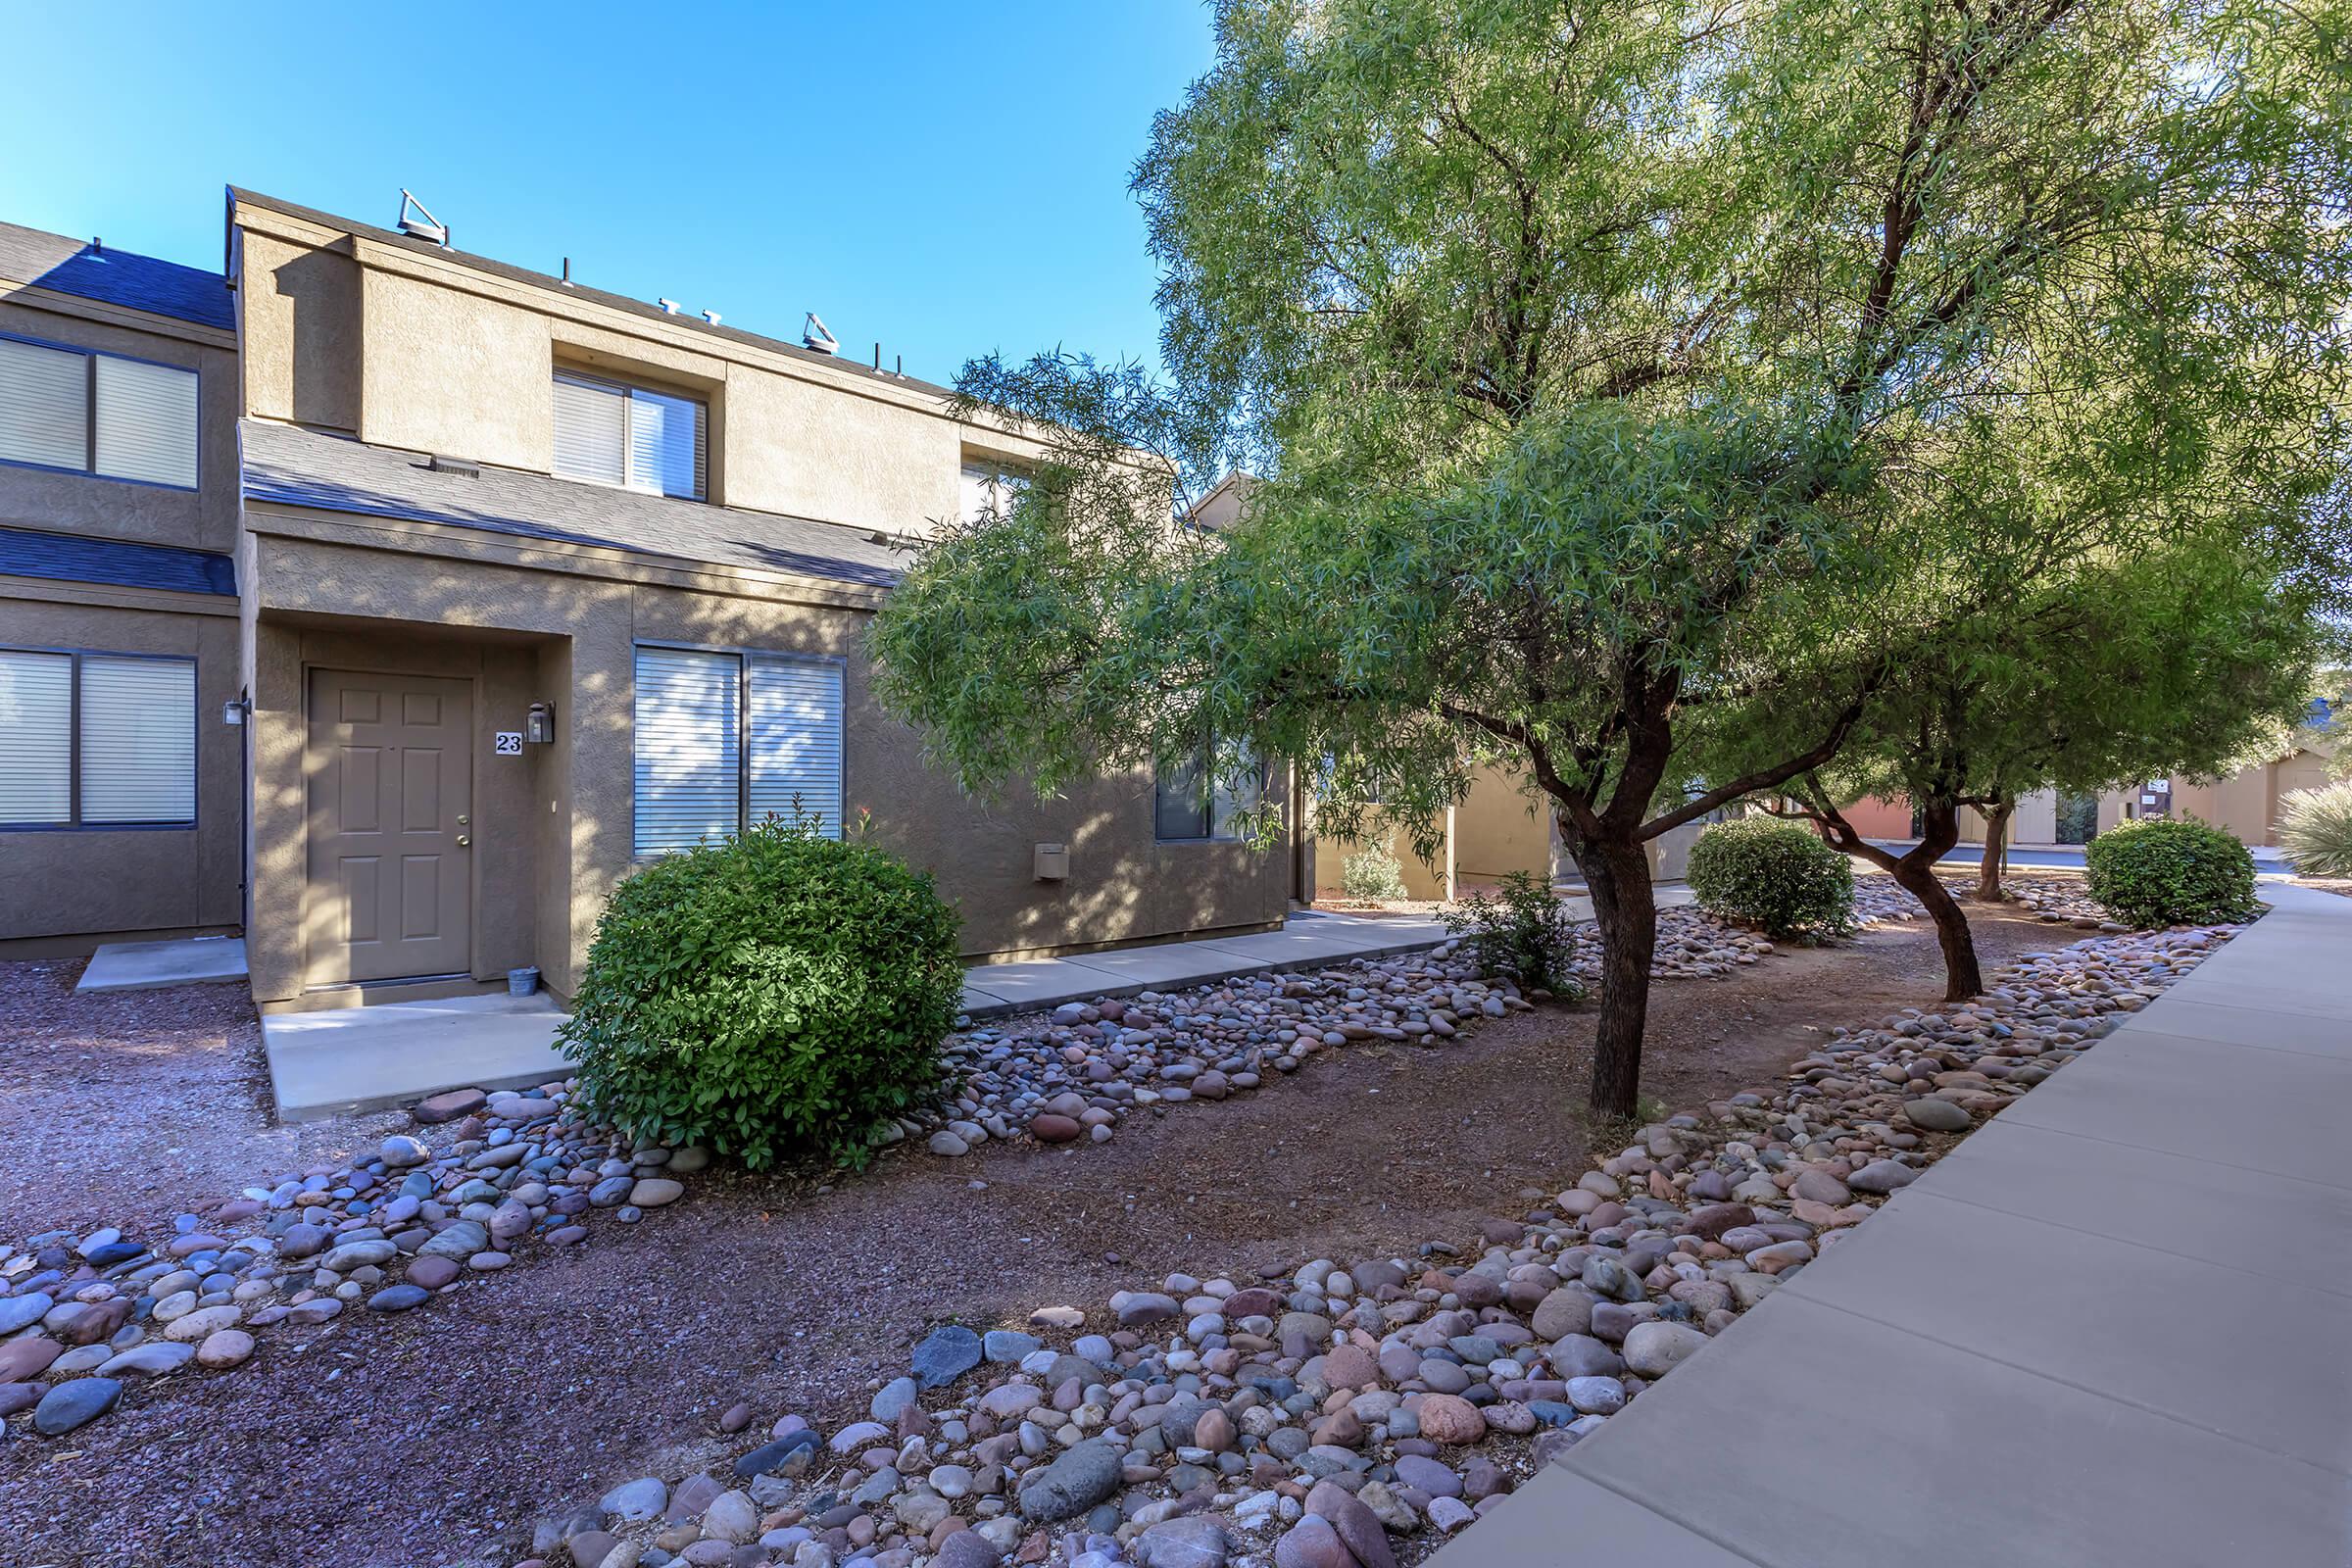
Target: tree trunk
{"points": [[1914, 871], [1962, 977], [1625, 906], [1997, 851]]}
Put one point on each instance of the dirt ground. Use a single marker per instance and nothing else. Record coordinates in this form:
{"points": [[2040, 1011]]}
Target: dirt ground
{"points": [[439, 1436], [133, 1104]]}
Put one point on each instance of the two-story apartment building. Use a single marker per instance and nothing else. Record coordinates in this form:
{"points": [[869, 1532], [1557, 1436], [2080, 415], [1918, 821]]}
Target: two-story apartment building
{"points": [[532, 582], [122, 794]]}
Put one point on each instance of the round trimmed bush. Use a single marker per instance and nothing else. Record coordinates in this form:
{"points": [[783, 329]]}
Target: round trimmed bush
{"points": [[777, 994], [1764, 872], [2164, 873], [2315, 828]]}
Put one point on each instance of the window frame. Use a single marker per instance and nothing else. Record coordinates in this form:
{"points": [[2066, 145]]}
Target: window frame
{"points": [[1008, 478], [89, 419], [74, 793], [744, 657], [629, 391], [1208, 805]]}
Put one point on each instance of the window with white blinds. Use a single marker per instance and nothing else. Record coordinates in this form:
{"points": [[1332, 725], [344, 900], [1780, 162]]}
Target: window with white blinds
{"points": [[724, 739], [146, 424], [138, 740], [36, 729], [44, 404], [609, 433], [795, 741], [129, 723], [689, 759], [76, 409]]}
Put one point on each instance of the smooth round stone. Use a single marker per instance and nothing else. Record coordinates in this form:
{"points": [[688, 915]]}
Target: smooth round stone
{"points": [[1935, 1115], [398, 1299], [432, 1272], [75, 1403], [226, 1348], [1443, 1377], [154, 1358], [652, 1192], [204, 1322]]}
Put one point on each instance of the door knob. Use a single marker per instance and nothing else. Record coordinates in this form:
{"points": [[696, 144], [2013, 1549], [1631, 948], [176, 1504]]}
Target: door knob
{"points": [[463, 839]]}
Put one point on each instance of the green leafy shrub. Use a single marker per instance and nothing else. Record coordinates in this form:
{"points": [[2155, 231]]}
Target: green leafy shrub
{"points": [[2315, 828], [1371, 875], [2162, 872], [1523, 933], [1776, 875], [776, 993]]}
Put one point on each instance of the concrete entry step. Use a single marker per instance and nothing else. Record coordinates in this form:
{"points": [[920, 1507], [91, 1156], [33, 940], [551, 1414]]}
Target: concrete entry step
{"points": [[152, 965], [363, 1058]]}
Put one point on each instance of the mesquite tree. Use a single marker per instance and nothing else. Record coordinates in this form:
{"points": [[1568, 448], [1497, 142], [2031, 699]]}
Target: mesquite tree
{"points": [[1573, 340], [2169, 663]]}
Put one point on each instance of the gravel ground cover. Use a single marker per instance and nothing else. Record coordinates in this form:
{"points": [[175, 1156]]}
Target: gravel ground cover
{"points": [[137, 1102], [780, 1294], [1349, 1414]]}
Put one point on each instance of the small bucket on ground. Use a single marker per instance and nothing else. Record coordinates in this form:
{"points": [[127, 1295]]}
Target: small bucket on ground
{"points": [[522, 982]]}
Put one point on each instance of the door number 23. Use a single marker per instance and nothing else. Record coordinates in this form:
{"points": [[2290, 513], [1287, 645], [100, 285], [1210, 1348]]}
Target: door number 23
{"points": [[509, 742]]}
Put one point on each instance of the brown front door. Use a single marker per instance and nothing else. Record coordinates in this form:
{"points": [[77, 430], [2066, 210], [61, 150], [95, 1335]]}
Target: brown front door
{"points": [[390, 777]]}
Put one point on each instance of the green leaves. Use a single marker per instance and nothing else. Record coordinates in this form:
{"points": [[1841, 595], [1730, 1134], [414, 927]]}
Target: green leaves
{"points": [[1773, 875], [2167, 874], [773, 995]]}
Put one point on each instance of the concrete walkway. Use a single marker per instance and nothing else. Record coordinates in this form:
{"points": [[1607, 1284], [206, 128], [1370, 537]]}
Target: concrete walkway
{"points": [[152, 965], [1307, 940], [2114, 1326], [347, 1060]]}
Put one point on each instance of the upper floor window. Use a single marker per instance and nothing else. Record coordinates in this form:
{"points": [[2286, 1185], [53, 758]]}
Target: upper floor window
{"points": [[90, 413], [96, 740], [610, 432], [988, 488]]}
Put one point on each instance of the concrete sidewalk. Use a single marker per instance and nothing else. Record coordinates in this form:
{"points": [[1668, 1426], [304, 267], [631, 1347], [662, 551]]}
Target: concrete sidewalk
{"points": [[346, 1060], [1308, 939], [153, 965], [2111, 1327]]}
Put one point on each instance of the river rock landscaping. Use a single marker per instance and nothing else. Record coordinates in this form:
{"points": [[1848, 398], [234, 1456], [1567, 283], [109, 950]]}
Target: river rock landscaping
{"points": [[1349, 1414], [85, 1315]]}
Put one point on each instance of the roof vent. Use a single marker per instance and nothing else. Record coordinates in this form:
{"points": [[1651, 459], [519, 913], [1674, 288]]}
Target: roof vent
{"points": [[670, 307], [818, 337], [424, 226], [456, 465], [712, 317]]}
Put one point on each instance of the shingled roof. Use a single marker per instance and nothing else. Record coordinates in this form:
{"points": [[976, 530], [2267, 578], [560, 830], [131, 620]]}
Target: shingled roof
{"points": [[115, 276], [77, 558], [288, 466]]}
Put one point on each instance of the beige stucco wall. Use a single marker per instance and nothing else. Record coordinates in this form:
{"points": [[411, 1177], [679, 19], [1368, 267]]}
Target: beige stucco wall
{"points": [[555, 830], [203, 518], [1434, 879], [92, 884], [1500, 829], [425, 354]]}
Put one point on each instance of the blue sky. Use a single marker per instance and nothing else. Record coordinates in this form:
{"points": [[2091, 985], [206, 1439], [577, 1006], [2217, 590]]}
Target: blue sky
{"points": [[947, 178]]}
